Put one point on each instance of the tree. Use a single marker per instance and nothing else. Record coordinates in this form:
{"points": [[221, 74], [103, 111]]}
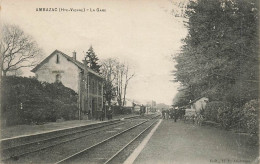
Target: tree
{"points": [[92, 59], [127, 79], [108, 69], [219, 58], [182, 98], [123, 77], [117, 77], [18, 49]]}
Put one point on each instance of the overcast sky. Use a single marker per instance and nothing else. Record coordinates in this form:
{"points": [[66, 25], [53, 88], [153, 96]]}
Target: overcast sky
{"points": [[142, 33]]}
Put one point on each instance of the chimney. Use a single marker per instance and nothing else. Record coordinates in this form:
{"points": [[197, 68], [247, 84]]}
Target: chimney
{"points": [[74, 55]]}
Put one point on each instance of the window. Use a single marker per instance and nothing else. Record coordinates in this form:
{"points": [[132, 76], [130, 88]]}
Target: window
{"points": [[99, 88], [100, 104], [57, 59], [92, 86], [58, 78]]}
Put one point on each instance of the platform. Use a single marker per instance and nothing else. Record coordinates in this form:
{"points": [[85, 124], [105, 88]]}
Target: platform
{"points": [[183, 143], [22, 130]]}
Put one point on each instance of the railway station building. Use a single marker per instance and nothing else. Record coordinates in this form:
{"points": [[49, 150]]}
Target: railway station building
{"points": [[59, 67]]}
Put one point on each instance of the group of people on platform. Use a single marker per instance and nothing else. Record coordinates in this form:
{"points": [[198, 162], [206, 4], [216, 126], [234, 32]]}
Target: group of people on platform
{"points": [[100, 115], [173, 113]]}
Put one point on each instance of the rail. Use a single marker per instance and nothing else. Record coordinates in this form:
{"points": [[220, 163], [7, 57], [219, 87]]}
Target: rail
{"points": [[75, 155], [72, 131]]}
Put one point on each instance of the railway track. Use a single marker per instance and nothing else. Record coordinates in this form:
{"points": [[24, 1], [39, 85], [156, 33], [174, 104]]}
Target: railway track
{"points": [[17, 151], [109, 149], [16, 147], [55, 147]]}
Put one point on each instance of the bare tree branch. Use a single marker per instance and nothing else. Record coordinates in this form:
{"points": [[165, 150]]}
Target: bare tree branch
{"points": [[117, 78], [18, 50]]}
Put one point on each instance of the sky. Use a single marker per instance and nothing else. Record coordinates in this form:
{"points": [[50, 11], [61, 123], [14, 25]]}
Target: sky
{"points": [[142, 33]]}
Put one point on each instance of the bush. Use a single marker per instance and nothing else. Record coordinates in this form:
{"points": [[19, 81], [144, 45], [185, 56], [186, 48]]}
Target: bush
{"points": [[220, 112], [116, 109], [127, 110], [237, 117], [12, 112], [65, 111], [123, 110], [41, 101], [225, 115], [216, 110], [250, 116], [244, 119]]}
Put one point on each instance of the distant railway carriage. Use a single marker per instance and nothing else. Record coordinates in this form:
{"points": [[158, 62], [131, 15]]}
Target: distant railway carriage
{"points": [[153, 110]]}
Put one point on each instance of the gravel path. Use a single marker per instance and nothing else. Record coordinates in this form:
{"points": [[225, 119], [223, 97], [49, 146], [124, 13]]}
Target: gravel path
{"points": [[185, 143]]}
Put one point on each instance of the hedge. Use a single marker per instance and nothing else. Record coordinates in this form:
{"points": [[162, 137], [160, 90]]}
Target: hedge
{"points": [[26, 100], [244, 119]]}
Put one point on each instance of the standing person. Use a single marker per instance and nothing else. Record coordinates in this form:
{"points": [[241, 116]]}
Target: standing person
{"points": [[109, 113], [175, 114], [89, 114], [163, 113], [167, 113], [171, 113], [182, 113], [144, 111]]}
